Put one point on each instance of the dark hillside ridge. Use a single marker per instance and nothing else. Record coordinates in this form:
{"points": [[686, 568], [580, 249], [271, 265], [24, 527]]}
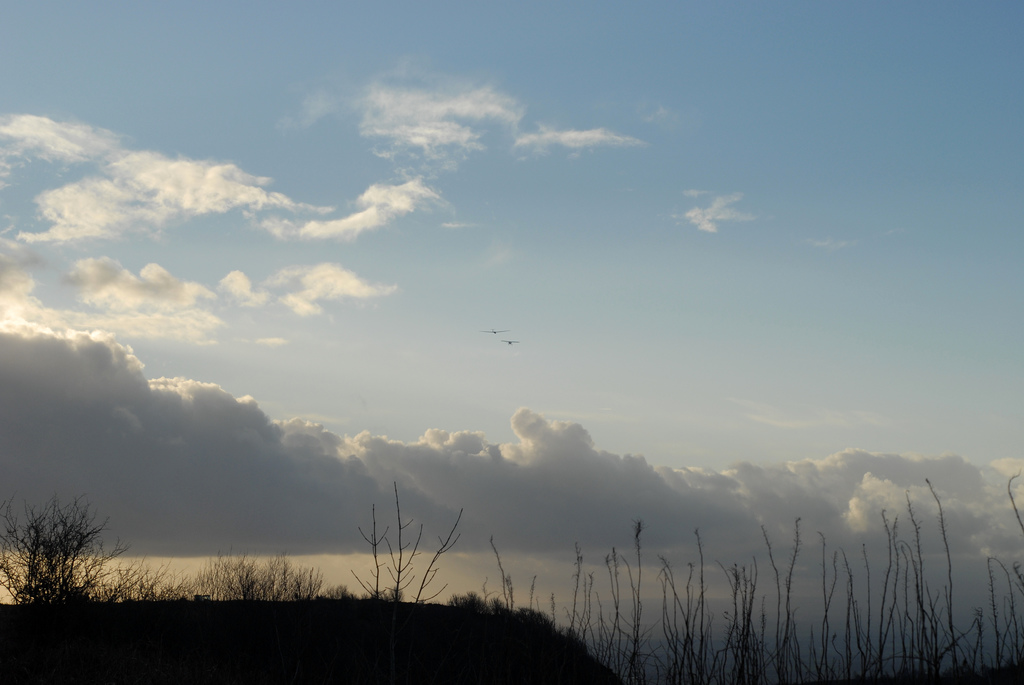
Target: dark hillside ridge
{"points": [[317, 641]]}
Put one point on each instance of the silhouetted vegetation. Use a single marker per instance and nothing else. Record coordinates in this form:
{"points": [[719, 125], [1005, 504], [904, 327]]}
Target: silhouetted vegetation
{"points": [[315, 641], [245, 577], [54, 554], [246, 619], [908, 634]]}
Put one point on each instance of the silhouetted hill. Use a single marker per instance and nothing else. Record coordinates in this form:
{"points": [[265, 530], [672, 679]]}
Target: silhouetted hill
{"points": [[319, 641]]}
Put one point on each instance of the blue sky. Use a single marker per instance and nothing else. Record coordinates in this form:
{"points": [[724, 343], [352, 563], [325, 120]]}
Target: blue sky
{"points": [[720, 232]]}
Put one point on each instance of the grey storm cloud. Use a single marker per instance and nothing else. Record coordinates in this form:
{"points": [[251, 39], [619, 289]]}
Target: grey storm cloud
{"points": [[184, 468]]}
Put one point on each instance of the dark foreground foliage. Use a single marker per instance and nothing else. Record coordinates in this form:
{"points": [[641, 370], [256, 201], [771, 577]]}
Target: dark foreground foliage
{"points": [[317, 641]]}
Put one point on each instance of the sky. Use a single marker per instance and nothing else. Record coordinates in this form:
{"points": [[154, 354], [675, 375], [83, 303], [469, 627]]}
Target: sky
{"points": [[759, 261]]}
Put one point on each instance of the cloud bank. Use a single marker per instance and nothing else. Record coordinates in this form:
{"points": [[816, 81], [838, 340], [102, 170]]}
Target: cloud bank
{"points": [[184, 468]]}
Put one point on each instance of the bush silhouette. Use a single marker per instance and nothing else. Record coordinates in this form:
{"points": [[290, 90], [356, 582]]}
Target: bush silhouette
{"points": [[55, 554]]}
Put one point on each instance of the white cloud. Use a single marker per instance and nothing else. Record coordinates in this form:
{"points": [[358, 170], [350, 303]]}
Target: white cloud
{"points": [[133, 191], [1008, 466], [323, 282], [575, 139], [154, 305], [446, 124], [16, 284], [437, 123], [707, 219], [104, 283], [272, 342], [197, 187], [378, 205], [239, 287], [143, 191], [41, 137]]}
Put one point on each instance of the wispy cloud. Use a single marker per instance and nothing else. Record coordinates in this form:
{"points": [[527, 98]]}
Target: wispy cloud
{"points": [[574, 139], [272, 342], [315, 106], [132, 191], [831, 245], [498, 254], [192, 325], [445, 124], [312, 284], [31, 136], [658, 115], [808, 417], [437, 123], [144, 191], [379, 204], [719, 211]]}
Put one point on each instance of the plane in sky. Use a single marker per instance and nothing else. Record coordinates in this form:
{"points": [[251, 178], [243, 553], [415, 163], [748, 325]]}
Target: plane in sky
{"points": [[509, 341], [496, 332]]}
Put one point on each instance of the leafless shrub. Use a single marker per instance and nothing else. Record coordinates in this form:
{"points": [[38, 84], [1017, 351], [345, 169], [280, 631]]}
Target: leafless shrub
{"points": [[337, 592], [138, 581], [55, 554], [895, 626], [246, 577]]}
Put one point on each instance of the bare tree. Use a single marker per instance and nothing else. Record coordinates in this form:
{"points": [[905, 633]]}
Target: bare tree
{"points": [[401, 559], [401, 569], [54, 555]]}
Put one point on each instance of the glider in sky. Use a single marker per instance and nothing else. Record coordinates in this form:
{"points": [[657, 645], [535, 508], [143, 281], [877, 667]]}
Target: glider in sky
{"points": [[496, 332]]}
